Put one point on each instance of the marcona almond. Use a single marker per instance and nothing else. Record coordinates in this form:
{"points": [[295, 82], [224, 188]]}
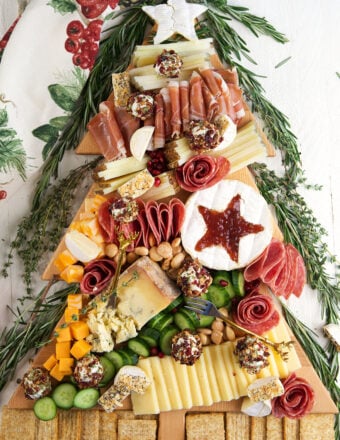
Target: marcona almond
{"points": [[176, 242], [142, 251], [217, 326], [166, 264], [229, 333], [177, 260], [111, 250], [216, 337], [205, 339], [151, 239], [154, 255], [164, 249], [176, 250], [123, 260], [131, 257], [206, 331]]}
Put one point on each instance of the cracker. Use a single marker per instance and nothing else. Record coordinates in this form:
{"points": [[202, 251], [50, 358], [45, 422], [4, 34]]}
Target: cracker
{"points": [[317, 426], [121, 88], [274, 429], [137, 429], [237, 426], [69, 424], [47, 430], [11, 429], [257, 428], [90, 425], [107, 425], [204, 426], [291, 429]]}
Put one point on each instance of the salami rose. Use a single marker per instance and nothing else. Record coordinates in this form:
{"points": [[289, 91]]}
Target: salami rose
{"points": [[201, 172], [297, 399], [257, 313], [97, 275]]}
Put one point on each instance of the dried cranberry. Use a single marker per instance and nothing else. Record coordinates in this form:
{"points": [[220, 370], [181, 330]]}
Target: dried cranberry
{"points": [[154, 351], [3, 194]]}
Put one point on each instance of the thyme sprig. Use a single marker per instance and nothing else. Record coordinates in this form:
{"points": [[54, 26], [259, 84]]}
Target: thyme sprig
{"points": [[41, 230], [33, 324]]}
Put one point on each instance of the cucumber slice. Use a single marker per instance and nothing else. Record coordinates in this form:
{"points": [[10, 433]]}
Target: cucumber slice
{"points": [[45, 408], [163, 321], [218, 296], [237, 279], [166, 338], [223, 279], [139, 346], [206, 321], [129, 356], [150, 335], [116, 358], [109, 370], [175, 303], [87, 398], [186, 319], [64, 394]]}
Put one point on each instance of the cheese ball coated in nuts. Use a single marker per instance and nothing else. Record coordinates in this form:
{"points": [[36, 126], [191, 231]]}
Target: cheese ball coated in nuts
{"points": [[186, 347], [193, 278]]}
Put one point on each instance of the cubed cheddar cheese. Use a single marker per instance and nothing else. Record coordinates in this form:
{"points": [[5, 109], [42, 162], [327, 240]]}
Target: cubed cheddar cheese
{"points": [[63, 333], [56, 373], [75, 301], [50, 362], [62, 349], [91, 228], [79, 330], [64, 259], [71, 314], [65, 365], [73, 273], [92, 204], [80, 349]]}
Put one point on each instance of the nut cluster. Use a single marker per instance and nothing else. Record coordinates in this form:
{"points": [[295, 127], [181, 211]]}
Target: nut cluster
{"points": [[218, 332]]}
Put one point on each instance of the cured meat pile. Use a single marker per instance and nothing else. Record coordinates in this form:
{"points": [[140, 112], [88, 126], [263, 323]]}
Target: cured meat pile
{"points": [[281, 267], [257, 313], [162, 220], [206, 96], [201, 172]]}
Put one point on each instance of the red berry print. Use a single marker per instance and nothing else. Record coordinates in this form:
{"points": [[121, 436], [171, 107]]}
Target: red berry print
{"points": [[113, 3], [75, 29], [86, 2], [72, 45], [3, 194], [94, 11]]}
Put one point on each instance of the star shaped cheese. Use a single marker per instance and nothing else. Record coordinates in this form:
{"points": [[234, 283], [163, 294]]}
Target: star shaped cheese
{"points": [[175, 17], [226, 226]]}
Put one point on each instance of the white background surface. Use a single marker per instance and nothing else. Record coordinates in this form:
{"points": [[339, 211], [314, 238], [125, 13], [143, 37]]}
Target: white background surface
{"points": [[306, 89]]}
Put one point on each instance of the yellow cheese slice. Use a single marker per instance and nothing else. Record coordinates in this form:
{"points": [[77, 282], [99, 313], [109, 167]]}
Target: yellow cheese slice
{"points": [[171, 383], [202, 374], [195, 388], [215, 392], [160, 384], [146, 403], [220, 367], [182, 378]]}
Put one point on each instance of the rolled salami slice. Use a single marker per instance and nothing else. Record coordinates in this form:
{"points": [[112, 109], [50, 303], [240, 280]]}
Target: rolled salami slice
{"points": [[257, 313], [178, 212], [97, 275], [297, 399], [106, 221], [202, 171]]}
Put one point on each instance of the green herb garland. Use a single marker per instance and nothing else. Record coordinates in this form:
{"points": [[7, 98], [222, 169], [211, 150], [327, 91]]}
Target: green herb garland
{"points": [[306, 235]]}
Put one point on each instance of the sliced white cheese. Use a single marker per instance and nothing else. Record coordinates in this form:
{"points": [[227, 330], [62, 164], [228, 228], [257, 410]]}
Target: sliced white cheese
{"points": [[146, 403], [81, 247], [254, 209], [256, 409], [171, 383], [141, 140]]}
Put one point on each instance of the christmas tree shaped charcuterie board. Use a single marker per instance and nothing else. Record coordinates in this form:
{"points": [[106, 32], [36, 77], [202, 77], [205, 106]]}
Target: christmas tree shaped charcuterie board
{"points": [[174, 215]]}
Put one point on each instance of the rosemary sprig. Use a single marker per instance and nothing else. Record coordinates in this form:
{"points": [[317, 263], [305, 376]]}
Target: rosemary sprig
{"points": [[114, 56], [42, 229], [31, 329], [323, 363]]}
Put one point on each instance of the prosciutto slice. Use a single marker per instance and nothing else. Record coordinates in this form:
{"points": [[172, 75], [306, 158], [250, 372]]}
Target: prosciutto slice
{"points": [[128, 124], [106, 132], [202, 171], [97, 275], [176, 122], [185, 107], [197, 108], [210, 80], [225, 92], [297, 399], [159, 133], [210, 102], [257, 313], [167, 111], [236, 97], [106, 222]]}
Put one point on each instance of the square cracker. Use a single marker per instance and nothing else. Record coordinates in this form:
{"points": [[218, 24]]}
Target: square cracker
{"points": [[69, 424], [11, 429], [317, 426], [137, 429], [274, 428], [257, 428], [204, 426], [46, 430], [237, 426], [90, 425], [291, 429], [107, 425]]}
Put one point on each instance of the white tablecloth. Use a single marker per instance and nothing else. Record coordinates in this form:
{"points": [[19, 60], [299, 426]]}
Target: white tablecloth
{"points": [[306, 89]]}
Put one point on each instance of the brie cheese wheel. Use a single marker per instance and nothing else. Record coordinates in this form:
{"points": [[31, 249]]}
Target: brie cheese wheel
{"points": [[141, 140], [256, 409], [81, 246], [332, 331], [253, 209]]}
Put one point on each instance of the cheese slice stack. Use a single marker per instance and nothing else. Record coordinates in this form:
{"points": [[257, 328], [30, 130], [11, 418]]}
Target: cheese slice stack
{"points": [[215, 377]]}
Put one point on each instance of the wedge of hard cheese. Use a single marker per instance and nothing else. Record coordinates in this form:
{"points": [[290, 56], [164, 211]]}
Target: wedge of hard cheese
{"points": [[144, 290], [215, 377]]}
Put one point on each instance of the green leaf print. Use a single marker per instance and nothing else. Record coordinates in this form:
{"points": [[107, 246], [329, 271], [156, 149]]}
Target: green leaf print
{"points": [[12, 154], [59, 122], [46, 132], [62, 96], [63, 6]]}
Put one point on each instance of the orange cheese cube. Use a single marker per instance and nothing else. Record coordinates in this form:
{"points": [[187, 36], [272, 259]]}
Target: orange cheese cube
{"points": [[75, 225], [80, 349], [63, 334], [64, 259], [65, 365], [71, 314], [50, 362], [93, 203], [90, 227], [73, 273], [75, 301], [86, 215], [56, 373], [62, 349], [79, 330]]}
